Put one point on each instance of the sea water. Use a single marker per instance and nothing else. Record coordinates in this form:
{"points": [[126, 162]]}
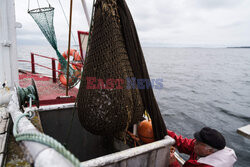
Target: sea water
{"points": [[201, 87]]}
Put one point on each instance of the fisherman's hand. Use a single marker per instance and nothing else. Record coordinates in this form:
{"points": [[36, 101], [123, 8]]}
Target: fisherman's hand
{"points": [[172, 159], [172, 149]]}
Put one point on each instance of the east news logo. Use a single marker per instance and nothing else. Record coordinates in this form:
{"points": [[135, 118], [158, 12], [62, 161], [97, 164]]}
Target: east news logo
{"points": [[128, 83]]}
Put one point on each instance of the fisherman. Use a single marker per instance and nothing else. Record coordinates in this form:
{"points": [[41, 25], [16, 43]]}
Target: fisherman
{"points": [[208, 149]]}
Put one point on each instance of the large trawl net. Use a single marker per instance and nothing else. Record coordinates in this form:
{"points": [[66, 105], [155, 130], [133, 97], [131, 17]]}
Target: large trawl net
{"points": [[44, 19], [115, 56]]}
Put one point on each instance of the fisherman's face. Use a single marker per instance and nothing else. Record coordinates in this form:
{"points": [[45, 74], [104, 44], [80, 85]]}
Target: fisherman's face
{"points": [[201, 149]]}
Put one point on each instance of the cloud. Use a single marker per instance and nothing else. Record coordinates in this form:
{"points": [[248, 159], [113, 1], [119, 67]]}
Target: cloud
{"points": [[31, 32], [215, 4], [193, 22], [159, 22]]}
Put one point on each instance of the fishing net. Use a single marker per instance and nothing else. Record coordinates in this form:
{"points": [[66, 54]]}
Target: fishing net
{"points": [[44, 19], [115, 52]]}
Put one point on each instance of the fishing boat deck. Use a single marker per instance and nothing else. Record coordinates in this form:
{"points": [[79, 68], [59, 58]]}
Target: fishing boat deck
{"points": [[48, 91]]}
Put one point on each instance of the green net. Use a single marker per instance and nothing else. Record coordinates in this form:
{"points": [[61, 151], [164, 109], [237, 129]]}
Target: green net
{"points": [[44, 19]]}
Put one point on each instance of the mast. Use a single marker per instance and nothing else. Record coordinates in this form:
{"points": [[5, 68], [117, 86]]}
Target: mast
{"points": [[70, 20], [8, 53], [86, 11]]}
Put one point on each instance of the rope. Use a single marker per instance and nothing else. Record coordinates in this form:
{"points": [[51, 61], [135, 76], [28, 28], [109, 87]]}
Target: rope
{"points": [[86, 11], [70, 127], [48, 3], [38, 4], [28, 5], [90, 29], [43, 139], [67, 21]]}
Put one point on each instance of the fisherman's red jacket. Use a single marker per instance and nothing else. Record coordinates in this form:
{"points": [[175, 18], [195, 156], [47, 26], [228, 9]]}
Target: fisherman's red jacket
{"points": [[186, 146]]}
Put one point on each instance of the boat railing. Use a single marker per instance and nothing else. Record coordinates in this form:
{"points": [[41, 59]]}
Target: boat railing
{"points": [[52, 68], [153, 154]]}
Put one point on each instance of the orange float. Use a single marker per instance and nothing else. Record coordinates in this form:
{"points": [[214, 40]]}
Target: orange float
{"points": [[145, 131], [76, 61]]}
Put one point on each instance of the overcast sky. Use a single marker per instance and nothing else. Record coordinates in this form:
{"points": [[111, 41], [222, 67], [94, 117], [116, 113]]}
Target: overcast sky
{"points": [[178, 23]]}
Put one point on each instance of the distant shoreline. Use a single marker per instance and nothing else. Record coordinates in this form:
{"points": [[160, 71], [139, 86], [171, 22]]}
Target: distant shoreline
{"points": [[240, 47]]}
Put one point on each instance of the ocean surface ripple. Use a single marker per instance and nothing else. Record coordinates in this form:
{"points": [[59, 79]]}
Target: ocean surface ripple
{"points": [[204, 87], [201, 87]]}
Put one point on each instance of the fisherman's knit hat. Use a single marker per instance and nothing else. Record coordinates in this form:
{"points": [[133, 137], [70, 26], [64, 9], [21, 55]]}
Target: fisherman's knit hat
{"points": [[211, 137]]}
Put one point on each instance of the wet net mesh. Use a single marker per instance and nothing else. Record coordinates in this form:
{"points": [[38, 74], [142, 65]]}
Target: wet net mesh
{"points": [[44, 19], [115, 53]]}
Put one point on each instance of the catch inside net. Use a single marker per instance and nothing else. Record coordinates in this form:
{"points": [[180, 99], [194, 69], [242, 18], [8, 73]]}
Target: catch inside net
{"points": [[114, 53], [44, 18]]}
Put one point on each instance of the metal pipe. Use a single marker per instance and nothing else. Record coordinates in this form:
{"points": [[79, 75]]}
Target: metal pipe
{"points": [[41, 66], [54, 70], [53, 107], [43, 56], [32, 63], [41, 155], [8, 53], [179, 158]]}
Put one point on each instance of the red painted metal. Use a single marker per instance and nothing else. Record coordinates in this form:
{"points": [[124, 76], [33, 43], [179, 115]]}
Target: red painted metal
{"points": [[44, 56], [80, 44], [24, 61], [41, 66], [58, 100], [32, 63], [53, 60], [53, 70], [48, 68], [25, 75], [48, 92]]}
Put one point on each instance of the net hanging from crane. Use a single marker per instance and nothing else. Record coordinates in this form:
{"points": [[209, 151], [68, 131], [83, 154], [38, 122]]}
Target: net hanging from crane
{"points": [[115, 53], [44, 19]]}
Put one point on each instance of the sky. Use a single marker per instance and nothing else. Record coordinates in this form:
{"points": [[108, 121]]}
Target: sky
{"points": [[159, 23]]}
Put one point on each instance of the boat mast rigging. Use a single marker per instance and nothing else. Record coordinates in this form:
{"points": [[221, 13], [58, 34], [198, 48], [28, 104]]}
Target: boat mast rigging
{"points": [[86, 11], [70, 21]]}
